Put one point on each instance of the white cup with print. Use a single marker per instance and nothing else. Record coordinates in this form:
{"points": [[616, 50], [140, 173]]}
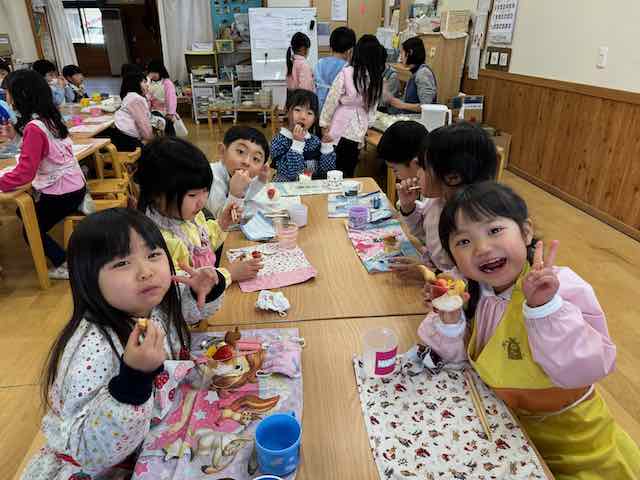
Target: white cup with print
{"points": [[334, 178]]}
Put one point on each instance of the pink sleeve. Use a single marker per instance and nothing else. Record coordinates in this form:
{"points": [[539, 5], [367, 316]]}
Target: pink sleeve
{"points": [[414, 221], [140, 114], [35, 147], [568, 336], [305, 78], [448, 341], [170, 98]]}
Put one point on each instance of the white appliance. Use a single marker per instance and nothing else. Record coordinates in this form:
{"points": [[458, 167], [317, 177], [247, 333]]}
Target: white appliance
{"points": [[435, 116]]}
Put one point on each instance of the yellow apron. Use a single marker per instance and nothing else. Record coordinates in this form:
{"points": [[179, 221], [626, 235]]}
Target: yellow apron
{"points": [[583, 441]]}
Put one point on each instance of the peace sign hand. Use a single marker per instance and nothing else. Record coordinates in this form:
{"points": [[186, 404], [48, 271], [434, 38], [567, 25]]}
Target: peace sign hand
{"points": [[201, 281], [541, 283]]}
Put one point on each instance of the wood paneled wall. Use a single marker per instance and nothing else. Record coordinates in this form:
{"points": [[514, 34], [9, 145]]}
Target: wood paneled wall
{"points": [[92, 59], [579, 142]]}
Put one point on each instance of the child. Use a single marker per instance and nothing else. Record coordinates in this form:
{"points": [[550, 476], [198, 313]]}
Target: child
{"points": [[46, 160], [537, 335], [297, 149], [341, 41], [133, 118], [162, 94], [351, 105], [299, 72], [400, 146], [452, 157], [98, 383], [74, 90], [175, 178], [50, 73], [242, 171]]}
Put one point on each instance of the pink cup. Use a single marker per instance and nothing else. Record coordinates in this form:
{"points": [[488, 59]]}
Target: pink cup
{"points": [[95, 111], [287, 234], [76, 120]]}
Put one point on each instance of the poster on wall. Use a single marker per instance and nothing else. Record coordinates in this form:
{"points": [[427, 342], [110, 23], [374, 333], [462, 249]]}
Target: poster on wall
{"points": [[339, 10], [503, 21]]}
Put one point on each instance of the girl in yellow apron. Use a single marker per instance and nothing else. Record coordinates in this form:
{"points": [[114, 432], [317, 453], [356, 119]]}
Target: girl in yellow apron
{"points": [[537, 335]]}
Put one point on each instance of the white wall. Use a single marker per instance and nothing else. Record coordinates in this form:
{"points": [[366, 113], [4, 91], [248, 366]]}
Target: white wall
{"points": [[14, 20], [559, 39]]}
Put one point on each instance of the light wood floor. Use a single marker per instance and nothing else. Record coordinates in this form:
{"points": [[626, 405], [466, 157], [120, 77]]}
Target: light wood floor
{"points": [[30, 318]]}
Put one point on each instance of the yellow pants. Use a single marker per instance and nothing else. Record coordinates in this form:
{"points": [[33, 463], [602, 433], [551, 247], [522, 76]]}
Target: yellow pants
{"points": [[585, 443]]}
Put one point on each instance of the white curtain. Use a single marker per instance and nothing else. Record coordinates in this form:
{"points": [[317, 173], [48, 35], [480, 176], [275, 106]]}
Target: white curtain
{"points": [[65, 53], [181, 24]]}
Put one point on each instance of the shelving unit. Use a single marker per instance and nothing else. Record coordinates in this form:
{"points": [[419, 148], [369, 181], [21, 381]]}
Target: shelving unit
{"points": [[205, 83]]}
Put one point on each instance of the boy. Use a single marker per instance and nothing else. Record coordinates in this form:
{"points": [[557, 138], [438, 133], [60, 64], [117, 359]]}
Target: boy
{"points": [[242, 171], [74, 90], [341, 41], [50, 73]]}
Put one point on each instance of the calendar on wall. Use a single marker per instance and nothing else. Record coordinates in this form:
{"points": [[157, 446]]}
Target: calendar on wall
{"points": [[503, 21]]}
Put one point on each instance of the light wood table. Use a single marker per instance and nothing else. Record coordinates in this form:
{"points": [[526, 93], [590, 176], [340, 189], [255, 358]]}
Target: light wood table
{"points": [[74, 109], [343, 288]]}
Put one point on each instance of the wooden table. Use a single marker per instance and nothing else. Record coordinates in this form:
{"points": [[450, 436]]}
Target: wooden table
{"points": [[75, 109], [343, 288]]}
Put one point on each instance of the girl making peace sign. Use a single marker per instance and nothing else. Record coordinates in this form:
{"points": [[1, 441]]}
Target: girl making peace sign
{"points": [[537, 334]]}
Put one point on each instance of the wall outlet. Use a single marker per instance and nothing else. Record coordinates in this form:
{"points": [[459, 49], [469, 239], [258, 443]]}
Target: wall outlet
{"points": [[603, 54]]}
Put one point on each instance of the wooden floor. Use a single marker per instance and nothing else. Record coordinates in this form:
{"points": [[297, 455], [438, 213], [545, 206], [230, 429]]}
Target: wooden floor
{"points": [[30, 318]]}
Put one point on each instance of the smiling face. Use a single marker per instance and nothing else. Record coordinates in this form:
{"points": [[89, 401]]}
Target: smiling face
{"points": [[491, 250], [301, 115], [137, 282], [242, 154]]}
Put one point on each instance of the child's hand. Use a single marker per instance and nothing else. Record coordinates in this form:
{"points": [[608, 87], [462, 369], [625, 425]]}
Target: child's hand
{"points": [[245, 269], [406, 267], [299, 133], [201, 281], [406, 195], [230, 215], [148, 355], [265, 173], [239, 183], [541, 283]]}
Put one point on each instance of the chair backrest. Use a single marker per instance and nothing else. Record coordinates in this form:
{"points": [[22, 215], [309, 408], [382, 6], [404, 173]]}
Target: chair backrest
{"points": [[129, 164]]}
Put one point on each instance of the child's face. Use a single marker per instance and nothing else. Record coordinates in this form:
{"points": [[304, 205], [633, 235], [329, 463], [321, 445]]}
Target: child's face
{"points": [[76, 79], [492, 251], [144, 86], [301, 115], [137, 283], [242, 154], [3, 73], [51, 77], [402, 171], [430, 185], [193, 203], [154, 76]]}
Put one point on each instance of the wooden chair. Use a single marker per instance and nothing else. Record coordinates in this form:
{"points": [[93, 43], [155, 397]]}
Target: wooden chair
{"points": [[501, 162]]}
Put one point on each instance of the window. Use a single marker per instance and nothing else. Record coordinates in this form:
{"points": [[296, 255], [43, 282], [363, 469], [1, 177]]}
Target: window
{"points": [[85, 25]]}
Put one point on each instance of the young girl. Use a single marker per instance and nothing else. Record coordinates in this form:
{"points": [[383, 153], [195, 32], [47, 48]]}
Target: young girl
{"points": [[299, 72], [452, 157], [46, 160], [352, 101], [98, 383], [162, 94], [297, 149], [175, 178], [537, 335], [133, 118]]}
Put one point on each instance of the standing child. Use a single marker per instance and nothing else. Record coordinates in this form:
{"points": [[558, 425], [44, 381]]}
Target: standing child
{"points": [[341, 41], [74, 90], [537, 336], [299, 72], [297, 149], [46, 160], [98, 385], [351, 105], [162, 94], [242, 171], [175, 178], [452, 157]]}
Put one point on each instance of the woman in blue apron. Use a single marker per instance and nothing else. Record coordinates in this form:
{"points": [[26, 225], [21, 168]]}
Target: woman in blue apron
{"points": [[422, 87]]}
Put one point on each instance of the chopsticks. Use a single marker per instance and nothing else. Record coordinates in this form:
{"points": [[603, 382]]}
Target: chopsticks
{"points": [[477, 403], [415, 187]]}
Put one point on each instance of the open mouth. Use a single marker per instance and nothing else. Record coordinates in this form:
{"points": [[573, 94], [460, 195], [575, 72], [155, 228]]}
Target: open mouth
{"points": [[493, 265]]}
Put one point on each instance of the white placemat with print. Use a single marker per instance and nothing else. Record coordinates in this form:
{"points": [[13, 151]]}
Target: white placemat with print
{"points": [[280, 267], [425, 426], [312, 187]]}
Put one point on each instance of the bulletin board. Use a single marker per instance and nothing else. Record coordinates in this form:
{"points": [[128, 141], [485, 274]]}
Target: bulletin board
{"points": [[222, 11]]}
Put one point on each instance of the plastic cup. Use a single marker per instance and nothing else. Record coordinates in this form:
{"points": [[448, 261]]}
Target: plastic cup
{"points": [[287, 234], [358, 216], [334, 178], [380, 349], [299, 213], [278, 444]]}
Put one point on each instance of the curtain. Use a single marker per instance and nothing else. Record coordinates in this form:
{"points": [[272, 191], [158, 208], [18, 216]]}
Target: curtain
{"points": [[181, 24], [65, 53]]}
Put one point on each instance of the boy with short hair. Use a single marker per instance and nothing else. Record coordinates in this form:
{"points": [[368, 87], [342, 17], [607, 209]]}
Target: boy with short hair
{"points": [[341, 41], [74, 90], [50, 73], [400, 146]]}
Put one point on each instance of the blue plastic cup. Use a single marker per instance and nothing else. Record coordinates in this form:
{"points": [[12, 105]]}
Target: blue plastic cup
{"points": [[278, 444]]}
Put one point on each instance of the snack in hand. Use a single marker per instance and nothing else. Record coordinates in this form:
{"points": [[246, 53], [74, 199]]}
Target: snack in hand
{"points": [[142, 324], [447, 293], [256, 254]]}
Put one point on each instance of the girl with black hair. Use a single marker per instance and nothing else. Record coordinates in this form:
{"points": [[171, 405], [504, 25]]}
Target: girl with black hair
{"points": [[162, 94], [299, 72], [451, 157], [133, 121], [536, 334], [297, 149], [46, 160], [98, 382], [422, 87], [352, 101]]}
